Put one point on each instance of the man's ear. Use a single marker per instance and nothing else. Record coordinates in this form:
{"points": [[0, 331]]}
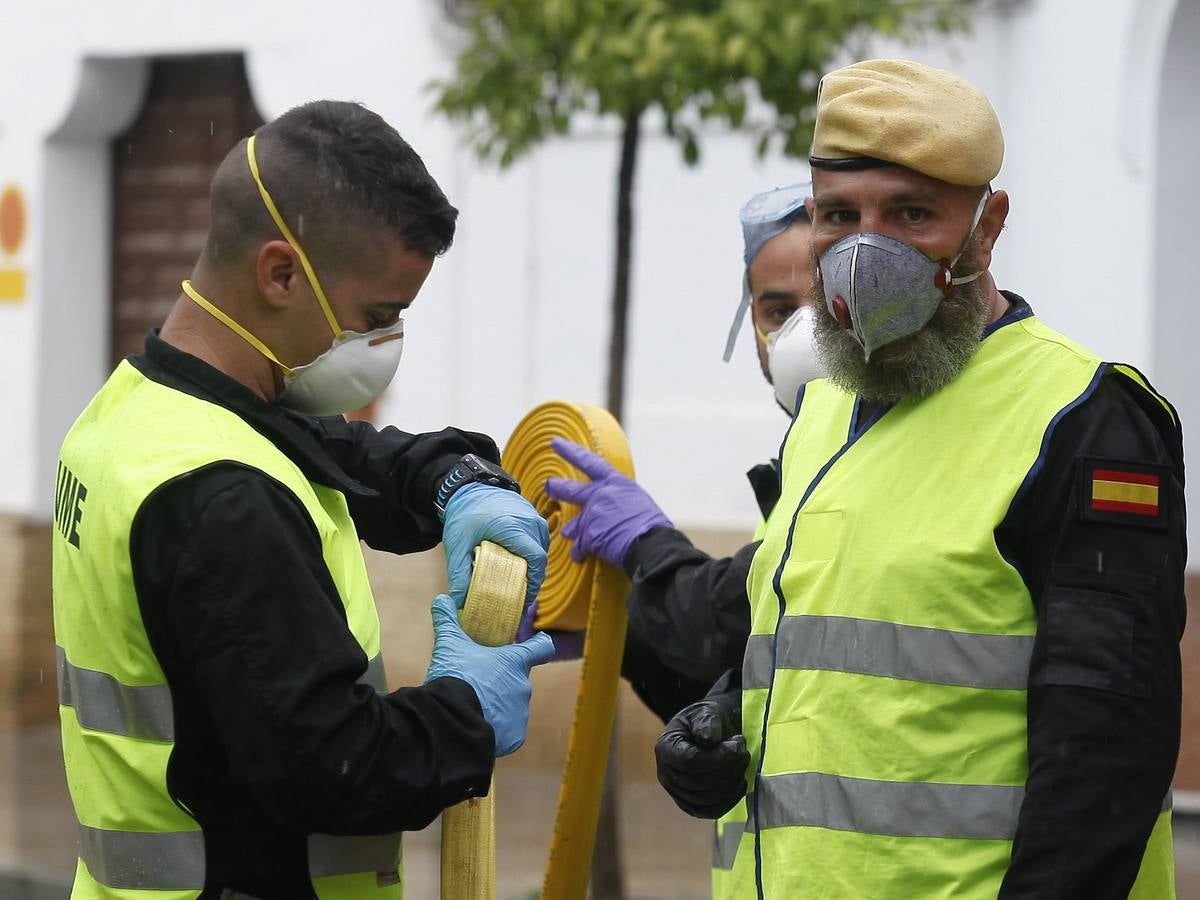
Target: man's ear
{"points": [[991, 223], [278, 273]]}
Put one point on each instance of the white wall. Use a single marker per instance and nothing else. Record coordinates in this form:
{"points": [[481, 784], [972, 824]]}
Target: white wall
{"points": [[60, 63], [72, 353], [18, 360], [1176, 298], [517, 312]]}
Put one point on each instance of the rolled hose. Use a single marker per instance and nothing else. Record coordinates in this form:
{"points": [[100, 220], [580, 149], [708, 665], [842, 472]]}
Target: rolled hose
{"points": [[490, 616], [590, 595], [573, 596]]}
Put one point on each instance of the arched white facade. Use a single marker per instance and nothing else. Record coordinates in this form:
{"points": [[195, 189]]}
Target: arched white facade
{"points": [[517, 312]]}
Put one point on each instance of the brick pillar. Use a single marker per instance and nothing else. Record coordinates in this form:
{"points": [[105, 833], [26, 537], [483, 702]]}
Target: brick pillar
{"points": [[27, 674], [37, 682], [11, 559], [197, 108]]}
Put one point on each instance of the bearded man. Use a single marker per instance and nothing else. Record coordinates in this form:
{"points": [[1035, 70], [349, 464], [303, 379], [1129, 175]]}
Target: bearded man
{"points": [[963, 674]]}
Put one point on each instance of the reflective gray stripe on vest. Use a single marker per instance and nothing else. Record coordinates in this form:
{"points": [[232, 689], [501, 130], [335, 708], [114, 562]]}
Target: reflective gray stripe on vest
{"points": [[102, 703], [376, 675], [137, 860], [725, 844], [890, 650], [174, 861], [758, 661], [330, 854], [903, 809]]}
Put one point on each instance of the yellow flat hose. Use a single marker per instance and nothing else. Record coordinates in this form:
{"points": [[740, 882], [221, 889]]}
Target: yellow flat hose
{"points": [[575, 595], [490, 616]]}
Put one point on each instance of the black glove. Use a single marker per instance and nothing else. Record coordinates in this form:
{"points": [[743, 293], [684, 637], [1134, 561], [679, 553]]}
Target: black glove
{"points": [[702, 756]]}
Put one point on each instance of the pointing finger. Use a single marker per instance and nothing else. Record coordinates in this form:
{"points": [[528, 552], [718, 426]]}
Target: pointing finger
{"points": [[576, 492], [591, 464]]}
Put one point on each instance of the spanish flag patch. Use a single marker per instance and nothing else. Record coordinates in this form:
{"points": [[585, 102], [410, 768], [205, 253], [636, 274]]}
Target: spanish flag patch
{"points": [[1123, 493]]}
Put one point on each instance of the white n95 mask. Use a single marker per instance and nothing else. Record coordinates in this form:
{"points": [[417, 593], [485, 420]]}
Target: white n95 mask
{"points": [[352, 372], [792, 358], [347, 376]]}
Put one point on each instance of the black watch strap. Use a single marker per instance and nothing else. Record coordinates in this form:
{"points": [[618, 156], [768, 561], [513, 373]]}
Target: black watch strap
{"points": [[471, 469]]}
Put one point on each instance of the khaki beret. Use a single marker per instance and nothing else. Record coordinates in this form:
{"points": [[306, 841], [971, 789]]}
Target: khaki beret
{"points": [[899, 111]]}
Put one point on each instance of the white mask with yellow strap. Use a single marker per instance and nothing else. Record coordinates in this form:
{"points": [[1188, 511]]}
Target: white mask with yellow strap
{"points": [[352, 372]]}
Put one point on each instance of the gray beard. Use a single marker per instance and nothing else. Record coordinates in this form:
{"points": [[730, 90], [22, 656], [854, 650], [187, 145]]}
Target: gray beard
{"points": [[916, 366]]}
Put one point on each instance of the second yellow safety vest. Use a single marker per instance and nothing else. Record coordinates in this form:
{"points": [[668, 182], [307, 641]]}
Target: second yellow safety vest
{"points": [[729, 831], [884, 683]]}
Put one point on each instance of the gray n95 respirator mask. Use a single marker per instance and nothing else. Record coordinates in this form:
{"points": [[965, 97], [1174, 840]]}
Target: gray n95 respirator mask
{"points": [[883, 290]]}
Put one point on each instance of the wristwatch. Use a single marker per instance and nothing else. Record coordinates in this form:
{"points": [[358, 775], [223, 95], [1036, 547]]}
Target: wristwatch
{"points": [[471, 469]]}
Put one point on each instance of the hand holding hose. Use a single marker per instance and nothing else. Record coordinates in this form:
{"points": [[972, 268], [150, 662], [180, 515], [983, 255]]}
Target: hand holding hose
{"points": [[614, 512], [499, 675], [480, 512]]}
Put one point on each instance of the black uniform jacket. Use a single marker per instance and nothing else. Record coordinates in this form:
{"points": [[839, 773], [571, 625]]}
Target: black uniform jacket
{"points": [[275, 739], [1104, 682]]}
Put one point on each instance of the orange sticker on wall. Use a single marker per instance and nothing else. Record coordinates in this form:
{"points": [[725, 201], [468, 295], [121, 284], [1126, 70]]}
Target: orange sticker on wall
{"points": [[12, 236]]}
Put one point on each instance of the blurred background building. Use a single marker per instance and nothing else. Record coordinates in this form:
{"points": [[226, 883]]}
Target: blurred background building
{"points": [[113, 117]]}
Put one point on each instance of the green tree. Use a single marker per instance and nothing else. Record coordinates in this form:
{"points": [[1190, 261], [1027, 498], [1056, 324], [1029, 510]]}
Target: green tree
{"points": [[530, 69]]}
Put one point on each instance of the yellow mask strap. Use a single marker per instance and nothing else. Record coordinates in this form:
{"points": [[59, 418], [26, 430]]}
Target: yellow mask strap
{"points": [[766, 338], [291, 239], [233, 326]]}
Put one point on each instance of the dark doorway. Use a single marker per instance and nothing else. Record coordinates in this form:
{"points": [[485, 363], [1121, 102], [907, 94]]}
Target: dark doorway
{"points": [[197, 108]]}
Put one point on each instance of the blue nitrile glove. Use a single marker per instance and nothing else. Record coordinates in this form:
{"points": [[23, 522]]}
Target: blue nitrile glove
{"points": [[480, 512], [615, 511], [567, 644], [499, 675]]}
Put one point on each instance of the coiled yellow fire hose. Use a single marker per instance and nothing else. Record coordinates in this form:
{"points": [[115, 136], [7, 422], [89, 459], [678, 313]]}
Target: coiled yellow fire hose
{"points": [[574, 596]]}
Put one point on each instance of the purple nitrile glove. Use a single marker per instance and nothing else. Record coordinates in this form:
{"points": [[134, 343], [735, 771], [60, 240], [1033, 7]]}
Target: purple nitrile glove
{"points": [[567, 644], [615, 511]]}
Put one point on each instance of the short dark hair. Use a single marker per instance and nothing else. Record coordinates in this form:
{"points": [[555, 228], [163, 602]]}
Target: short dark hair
{"points": [[330, 165]]}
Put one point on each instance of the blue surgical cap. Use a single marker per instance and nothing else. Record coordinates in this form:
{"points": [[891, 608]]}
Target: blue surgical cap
{"points": [[765, 216]]}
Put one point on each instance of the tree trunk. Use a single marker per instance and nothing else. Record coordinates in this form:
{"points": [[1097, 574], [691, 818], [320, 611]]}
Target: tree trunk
{"points": [[608, 873], [608, 876], [615, 399]]}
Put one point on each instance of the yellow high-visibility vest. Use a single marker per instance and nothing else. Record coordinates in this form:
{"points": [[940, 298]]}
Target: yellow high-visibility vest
{"points": [[114, 700], [728, 882], [884, 683]]}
